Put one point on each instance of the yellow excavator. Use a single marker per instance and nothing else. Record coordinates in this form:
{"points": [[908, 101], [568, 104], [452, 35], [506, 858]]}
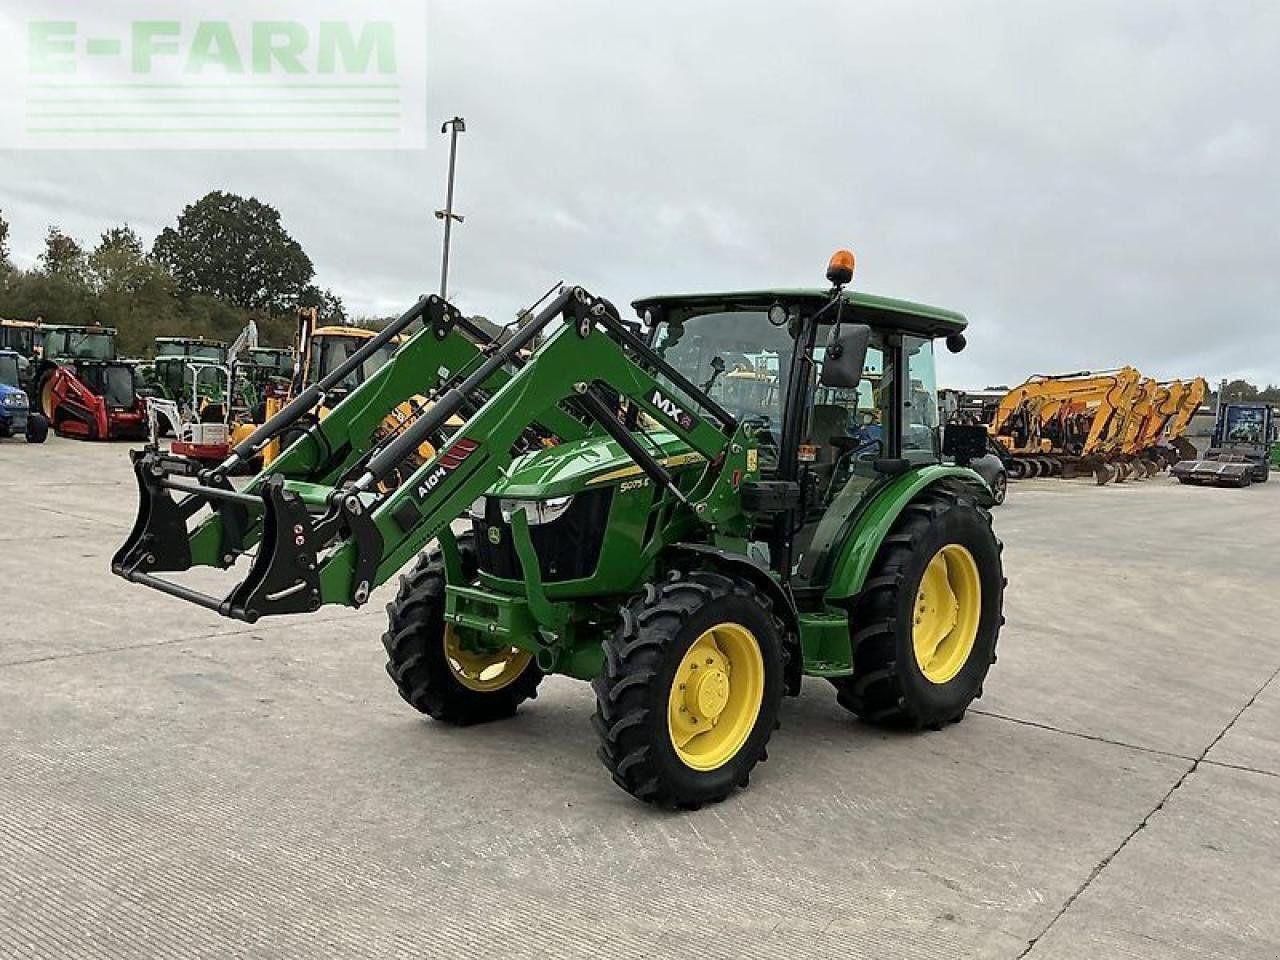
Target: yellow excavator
{"points": [[1155, 440], [1055, 424], [1115, 424], [1193, 394]]}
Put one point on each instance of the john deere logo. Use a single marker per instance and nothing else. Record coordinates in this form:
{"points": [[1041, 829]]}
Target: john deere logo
{"points": [[495, 535]]}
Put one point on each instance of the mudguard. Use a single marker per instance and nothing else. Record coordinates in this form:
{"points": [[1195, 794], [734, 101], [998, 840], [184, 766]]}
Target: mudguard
{"points": [[871, 522]]}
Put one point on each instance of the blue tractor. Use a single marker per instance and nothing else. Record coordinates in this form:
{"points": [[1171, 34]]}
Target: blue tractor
{"points": [[16, 415]]}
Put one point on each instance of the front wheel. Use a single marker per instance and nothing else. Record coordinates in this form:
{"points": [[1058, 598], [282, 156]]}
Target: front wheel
{"points": [[925, 627], [690, 690], [436, 671]]}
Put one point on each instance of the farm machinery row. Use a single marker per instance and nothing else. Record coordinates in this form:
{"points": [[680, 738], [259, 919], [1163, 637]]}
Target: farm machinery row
{"points": [[686, 512], [204, 393], [1116, 425]]}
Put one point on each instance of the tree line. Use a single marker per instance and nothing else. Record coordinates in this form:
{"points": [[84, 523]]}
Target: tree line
{"points": [[226, 260]]}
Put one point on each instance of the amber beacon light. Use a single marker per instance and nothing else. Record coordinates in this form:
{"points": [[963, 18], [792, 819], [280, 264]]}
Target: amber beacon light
{"points": [[840, 267]]}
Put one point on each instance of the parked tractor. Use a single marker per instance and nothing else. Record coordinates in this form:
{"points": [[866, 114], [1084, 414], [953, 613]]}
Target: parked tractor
{"points": [[691, 547], [1243, 437], [16, 416], [172, 368], [83, 389]]}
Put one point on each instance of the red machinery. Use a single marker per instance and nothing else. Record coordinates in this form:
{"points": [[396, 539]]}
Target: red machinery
{"points": [[93, 400]]}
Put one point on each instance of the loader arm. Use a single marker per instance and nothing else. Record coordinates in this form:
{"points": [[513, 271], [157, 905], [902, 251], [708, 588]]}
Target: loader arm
{"points": [[335, 541], [447, 348]]}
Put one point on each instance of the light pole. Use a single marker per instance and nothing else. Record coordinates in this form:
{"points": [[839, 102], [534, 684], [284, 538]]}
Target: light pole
{"points": [[454, 127]]}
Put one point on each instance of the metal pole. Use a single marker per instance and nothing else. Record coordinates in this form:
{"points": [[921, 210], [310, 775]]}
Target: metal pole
{"points": [[454, 127]]}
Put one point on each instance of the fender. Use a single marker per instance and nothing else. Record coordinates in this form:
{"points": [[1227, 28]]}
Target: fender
{"points": [[758, 576], [873, 520]]}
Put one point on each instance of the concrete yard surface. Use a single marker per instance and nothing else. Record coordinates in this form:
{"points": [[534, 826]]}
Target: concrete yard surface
{"points": [[173, 784]]}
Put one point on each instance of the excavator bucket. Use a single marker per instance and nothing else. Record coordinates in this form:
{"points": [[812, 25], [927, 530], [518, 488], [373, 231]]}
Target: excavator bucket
{"points": [[1183, 448]]}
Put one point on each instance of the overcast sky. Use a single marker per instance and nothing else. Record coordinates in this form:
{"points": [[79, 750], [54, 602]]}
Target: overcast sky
{"points": [[1092, 183]]}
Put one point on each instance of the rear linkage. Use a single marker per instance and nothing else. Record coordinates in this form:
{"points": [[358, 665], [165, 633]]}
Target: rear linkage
{"points": [[334, 543]]}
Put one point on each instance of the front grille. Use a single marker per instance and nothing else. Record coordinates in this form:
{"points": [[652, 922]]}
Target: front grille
{"points": [[568, 547]]}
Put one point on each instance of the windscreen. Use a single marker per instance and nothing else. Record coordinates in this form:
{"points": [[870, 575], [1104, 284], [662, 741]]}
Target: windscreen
{"points": [[740, 360], [118, 386], [1245, 425], [80, 345], [9, 371], [21, 339], [329, 352]]}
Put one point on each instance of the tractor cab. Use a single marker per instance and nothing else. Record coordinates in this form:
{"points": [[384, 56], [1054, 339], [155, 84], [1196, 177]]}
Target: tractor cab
{"points": [[175, 356], [19, 337], [330, 347], [9, 376], [274, 362], [1245, 428], [828, 440], [71, 343]]}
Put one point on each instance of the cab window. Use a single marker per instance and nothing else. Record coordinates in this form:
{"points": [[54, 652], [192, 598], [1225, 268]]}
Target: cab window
{"points": [[919, 403], [847, 429]]}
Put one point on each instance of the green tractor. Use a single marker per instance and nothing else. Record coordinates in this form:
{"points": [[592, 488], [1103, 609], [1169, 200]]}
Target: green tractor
{"points": [[690, 542]]}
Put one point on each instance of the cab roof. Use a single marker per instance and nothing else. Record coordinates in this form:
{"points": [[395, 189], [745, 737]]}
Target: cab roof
{"points": [[76, 328], [360, 333], [876, 311]]}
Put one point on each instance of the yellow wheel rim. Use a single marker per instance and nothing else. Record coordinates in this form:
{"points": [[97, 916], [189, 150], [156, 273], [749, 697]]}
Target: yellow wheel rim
{"points": [[947, 609], [487, 671], [716, 696]]}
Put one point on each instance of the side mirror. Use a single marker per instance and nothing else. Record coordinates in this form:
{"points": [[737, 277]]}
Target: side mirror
{"points": [[956, 342], [845, 355]]}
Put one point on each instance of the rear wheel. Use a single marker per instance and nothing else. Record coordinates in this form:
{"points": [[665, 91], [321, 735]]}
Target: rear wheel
{"points": [[927, 622], [434, 670], [690, 691]]}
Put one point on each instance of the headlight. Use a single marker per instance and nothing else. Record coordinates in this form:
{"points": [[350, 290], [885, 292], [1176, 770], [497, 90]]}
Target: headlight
{"points": [[537, 511]]}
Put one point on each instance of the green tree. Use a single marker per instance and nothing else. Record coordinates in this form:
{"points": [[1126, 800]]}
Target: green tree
{"points": [[131, 291], [1240, 390], [4, 242], [235, 248], [329, 306], [63, 257]]}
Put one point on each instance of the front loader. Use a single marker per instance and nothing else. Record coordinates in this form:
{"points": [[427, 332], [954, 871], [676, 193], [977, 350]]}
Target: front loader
{"points": [[637, 519]]}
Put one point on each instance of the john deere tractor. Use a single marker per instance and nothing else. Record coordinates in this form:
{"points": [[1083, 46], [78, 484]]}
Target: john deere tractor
{"points": [[638, 518]]}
